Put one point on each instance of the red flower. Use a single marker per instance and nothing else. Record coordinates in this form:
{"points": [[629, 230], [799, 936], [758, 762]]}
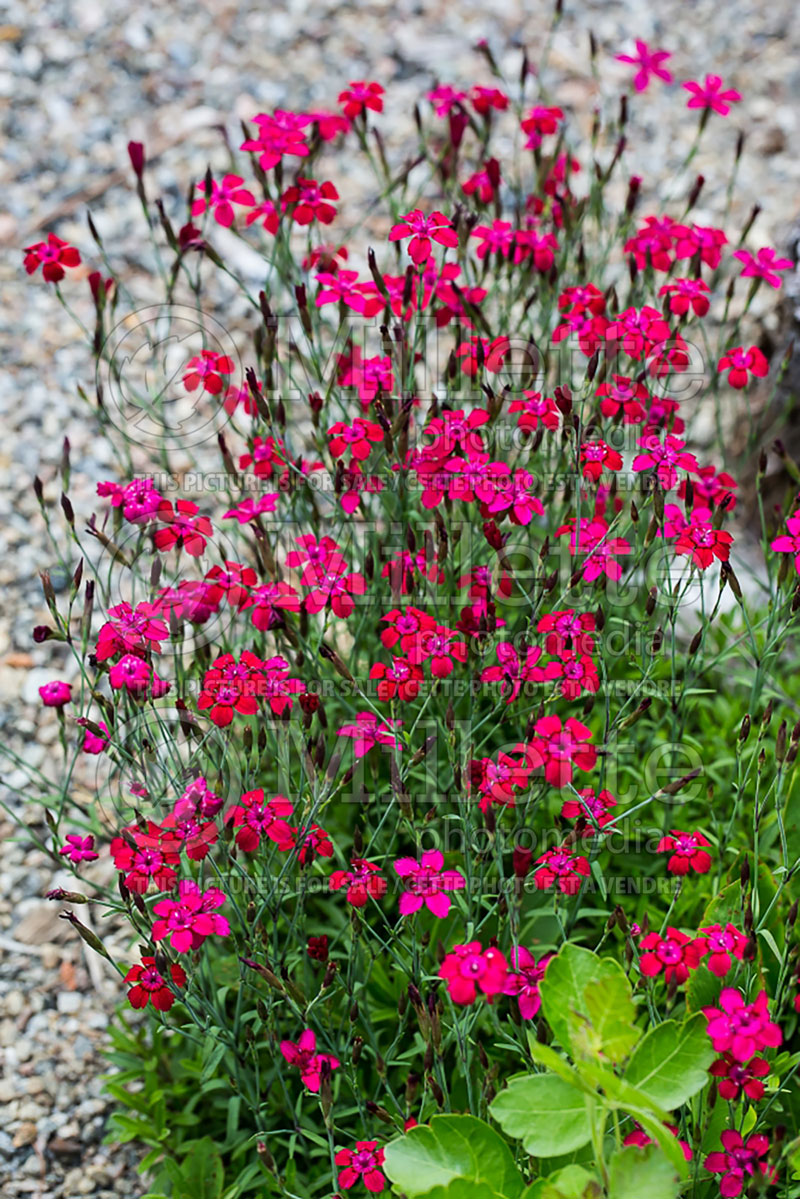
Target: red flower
{"points": [[401, 679], [724, 944], [184, 529], [359, 96], [539, 122], [590, 810], [52, 255], [147, 856], [557, 747], [483, 99], [687, 852], [562, 868], [423, 230], [362, 881], [149, 985], [468, 968], [230, 686], [276, 138], [188, 920], [640, 1138], [675, 954], [363, 1163], [738, 362], [739, 1161], [764, 266], [789, 543], [524, 984], [686, 293], [206, 370], [737, 1077], [317, 948], [220, 198], [255, 818], [702, 541], [56, 693], [597, 456], [358, 437], [534, 409], [310, 201]]}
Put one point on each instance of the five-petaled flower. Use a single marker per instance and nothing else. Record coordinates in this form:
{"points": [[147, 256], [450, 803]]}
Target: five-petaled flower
{"points": [[739, 1161], [303, 1055], [149, 985], [52, 255], [364, 1162], [190, 918], [740, 1028], [687, 852], [426, 883], [423, 230], [469, 968], [710, 95], [363, 881], [648, 62]]}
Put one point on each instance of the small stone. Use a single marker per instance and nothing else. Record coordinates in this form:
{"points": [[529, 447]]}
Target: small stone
{"points": [[25, 1134]]}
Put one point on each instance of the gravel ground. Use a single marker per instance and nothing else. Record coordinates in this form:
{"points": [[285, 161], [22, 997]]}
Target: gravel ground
{"points": [[78, 80]]}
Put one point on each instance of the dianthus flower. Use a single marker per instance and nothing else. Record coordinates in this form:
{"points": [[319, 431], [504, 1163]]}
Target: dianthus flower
{"points": [[206, 371], [255, 818], [789, 543], [562, 868], [360, 95], [736, 1077], [423, 230], [401, 679], [303, 1054], [741, 363], [702, 542], [363, 880], [146, 855], [524, 982], [739, 1028], [190, 918], [685, 294], [710, 96], [369, 731], [540, 122], [590, 810], [230, 686], [183, 528], [640, 1138], [55, 693], [79, 849], [94, 743], [558, 747], [687, 852], [675, 954], [364, 1163], [52, 255], [665, 458], [149, 985], [309, 201], [426, 882], [765, 265], [130, 630], [512, 671], [738, 1161], [220, 198], [533, 409], [138, 499], [598, 456], [130, 672], [468, 968], [648, 63]]}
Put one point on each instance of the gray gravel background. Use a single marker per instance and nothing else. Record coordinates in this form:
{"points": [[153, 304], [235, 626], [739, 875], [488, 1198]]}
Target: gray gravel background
{"points": [[77, 81]]}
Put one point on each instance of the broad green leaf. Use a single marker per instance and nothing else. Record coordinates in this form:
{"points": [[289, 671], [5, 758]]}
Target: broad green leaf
{"points": [[671, 1061], [564, 986], [545, 1112], [455, 1157], [573, 1182], [642, 1174], [547, 1057], [611, 1014]]}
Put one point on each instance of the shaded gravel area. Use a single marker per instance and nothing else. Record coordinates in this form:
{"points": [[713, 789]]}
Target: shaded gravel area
{"points": [[77, 81]]}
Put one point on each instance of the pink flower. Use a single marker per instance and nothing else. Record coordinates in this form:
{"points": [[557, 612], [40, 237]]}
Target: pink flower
{"points": [[230, 686], [359, 96], [369, 731], [685, 294], [539, 123], [52, 255], [468, 968], [423, 230], [710, 96], [130, 672], [79, 849], [738, 362], [525, 982], [702, 541], [303, 1054], [183, 528], [640, 1138], [764, 266], [426, 881], [363, 881], [739, 1162], [310, 201], [251, 509], [188, 920], [648, 63], [220, 198], [55, 693], [724, 944], [789, 543], [591, 809], [363, 1162], [562, 868], [739, 1028], [688, 852], [558, 747], [94, 743]]}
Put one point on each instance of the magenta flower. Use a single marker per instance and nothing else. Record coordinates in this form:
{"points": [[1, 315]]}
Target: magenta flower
{"points": [[562, 868], [789, 543], [359, 96], [221, 197], [79, 849], [303, 1054], [741, 363], [363, 1162], [468, 968], [188, 920], [739, 1028], [710, 96], [94, 743], [764, 266], [738, 1161], [423, 230], [130, 672], [52, 255], [426, 883], [363, 881], [56, 693], [687, 852], [525, 982], [251, 509], [735, 1077], [369, 731], [648, 63], [256, 818]]}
